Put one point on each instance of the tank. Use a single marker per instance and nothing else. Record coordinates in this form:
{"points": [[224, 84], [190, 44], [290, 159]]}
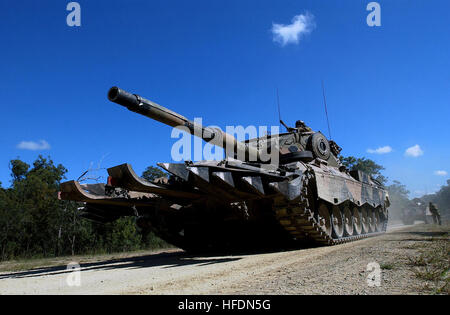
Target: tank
{"points": [[301, 196]]}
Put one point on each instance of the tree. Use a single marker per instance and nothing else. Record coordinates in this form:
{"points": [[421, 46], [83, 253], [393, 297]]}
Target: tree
{"points": [[29, 209], [34, 222], [365, 165], [151, 173], [18, 169]]}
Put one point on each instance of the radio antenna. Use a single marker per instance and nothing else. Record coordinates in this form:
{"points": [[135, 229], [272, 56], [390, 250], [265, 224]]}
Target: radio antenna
{"points": [[279, 114], [279, 110], [326, 110]]}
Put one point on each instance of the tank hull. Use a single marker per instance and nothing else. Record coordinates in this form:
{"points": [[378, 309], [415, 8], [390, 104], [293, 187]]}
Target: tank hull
{"points": [[232, 205]]}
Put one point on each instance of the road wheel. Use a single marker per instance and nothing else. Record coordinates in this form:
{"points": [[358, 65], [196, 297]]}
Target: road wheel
{"points": [[324, 218], [378, 221], [357, 222], [348, 221], [365, 221], [372, 220], [337, 222]]}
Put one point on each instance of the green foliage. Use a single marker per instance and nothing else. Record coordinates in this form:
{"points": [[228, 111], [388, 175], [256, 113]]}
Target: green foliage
{"points": [[27, 209], [18, 169], [123, 236], [152, 241], [365, 165], [151, 173], [34, 223]]}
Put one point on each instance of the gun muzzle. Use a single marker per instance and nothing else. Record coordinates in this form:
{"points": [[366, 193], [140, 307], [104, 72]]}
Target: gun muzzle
{"points": [[121, 97], [147, 108]]}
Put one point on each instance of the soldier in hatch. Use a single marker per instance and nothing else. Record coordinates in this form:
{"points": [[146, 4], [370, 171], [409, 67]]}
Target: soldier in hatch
{"points": [[301, 126]]}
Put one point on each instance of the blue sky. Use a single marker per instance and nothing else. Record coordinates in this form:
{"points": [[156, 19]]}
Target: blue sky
{"points": [[217, 59]]}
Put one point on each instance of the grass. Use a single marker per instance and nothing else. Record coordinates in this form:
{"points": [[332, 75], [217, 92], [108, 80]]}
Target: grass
{"points": [[414, 246], [387, 266], [432, 265]]}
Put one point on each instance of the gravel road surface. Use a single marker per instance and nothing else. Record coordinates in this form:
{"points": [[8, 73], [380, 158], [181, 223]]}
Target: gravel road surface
{"points": [[338, 269]]}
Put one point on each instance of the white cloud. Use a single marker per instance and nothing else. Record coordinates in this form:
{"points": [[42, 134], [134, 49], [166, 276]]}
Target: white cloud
{"points": [[440, 173], [34, 146], [381, 150], [285, 34], [414, 151]]}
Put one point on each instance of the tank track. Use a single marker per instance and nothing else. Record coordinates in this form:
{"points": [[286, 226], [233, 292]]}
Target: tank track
{"points": [[299, 220], [301, 224]]}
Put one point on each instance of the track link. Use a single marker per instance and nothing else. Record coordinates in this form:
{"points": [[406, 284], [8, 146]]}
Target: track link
{"points": [[298, 220], [301, 224]]}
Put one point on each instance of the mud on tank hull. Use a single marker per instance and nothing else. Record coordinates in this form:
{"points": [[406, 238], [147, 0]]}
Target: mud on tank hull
{"points": [[232, 205]]}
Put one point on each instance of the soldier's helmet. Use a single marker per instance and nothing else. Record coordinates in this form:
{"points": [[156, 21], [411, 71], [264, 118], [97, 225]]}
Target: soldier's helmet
{"points": [[300, 124]]}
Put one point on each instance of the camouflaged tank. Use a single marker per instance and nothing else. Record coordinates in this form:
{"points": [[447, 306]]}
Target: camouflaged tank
{"points": [[307, 197]]}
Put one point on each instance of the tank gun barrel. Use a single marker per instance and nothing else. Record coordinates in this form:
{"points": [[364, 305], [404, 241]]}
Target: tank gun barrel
{"points": [[157, 112]]}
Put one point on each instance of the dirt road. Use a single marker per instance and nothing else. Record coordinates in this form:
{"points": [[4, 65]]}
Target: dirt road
{"points": [[339, 269]]}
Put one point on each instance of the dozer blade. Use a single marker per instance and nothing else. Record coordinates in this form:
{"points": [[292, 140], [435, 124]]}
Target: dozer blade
{"points": [[202, 172], [176, 169], [72, 190], [254, 183], [225, 177], [124, 176], [95, 189], [226, 181], [199, 177], [106, 213], [291, 190]]}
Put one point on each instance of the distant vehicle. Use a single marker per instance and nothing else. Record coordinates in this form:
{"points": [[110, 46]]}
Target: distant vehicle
{"points": [[309, 197], [416, 210]]}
